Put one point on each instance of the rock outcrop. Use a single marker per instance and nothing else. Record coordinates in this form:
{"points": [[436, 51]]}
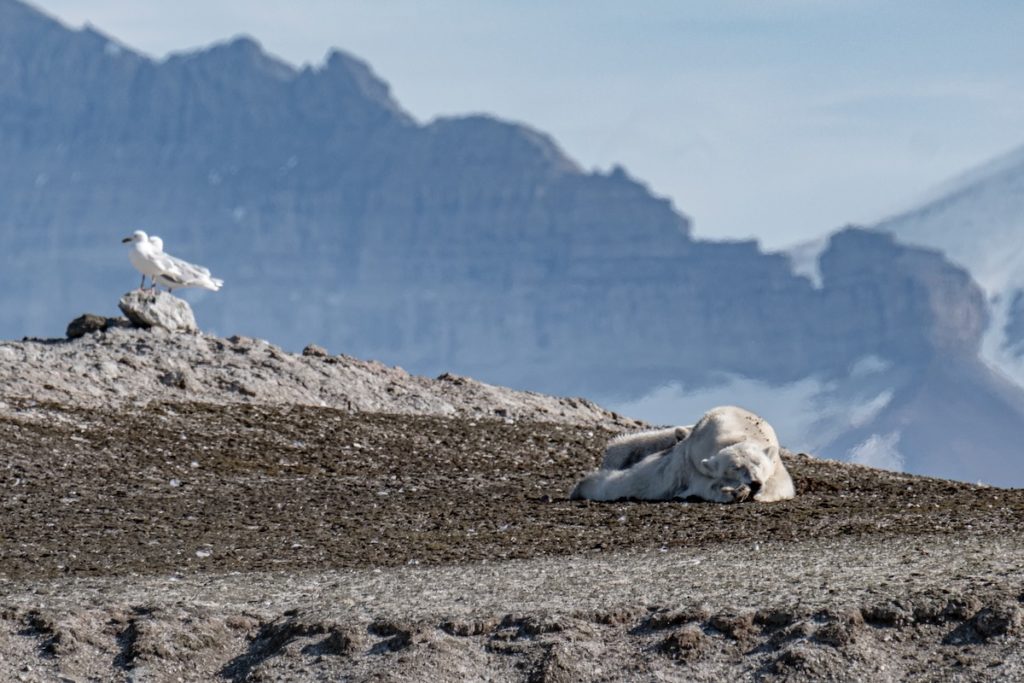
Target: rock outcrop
{"points": [[121, 365], [86, 323], [152, 308]]}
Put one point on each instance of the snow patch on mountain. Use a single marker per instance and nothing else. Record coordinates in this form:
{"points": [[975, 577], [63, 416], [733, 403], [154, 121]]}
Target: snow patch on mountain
{"points": [[804, 257], [978, 222], [881, 451], [977, 219]]}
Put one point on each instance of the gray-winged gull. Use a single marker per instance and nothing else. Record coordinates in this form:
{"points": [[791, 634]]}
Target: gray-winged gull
{"points": [[148, 257]]}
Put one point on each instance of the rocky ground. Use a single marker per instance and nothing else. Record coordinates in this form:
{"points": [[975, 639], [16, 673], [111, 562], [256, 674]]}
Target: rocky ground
{"points": [[128, 366], [154, 535]]}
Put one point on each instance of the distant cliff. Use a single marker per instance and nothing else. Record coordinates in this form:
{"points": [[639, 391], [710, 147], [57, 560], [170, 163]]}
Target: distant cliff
{"points": [[467, 243], [978, 220]]}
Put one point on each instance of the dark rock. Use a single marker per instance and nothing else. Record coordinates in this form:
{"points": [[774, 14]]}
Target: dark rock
{"points": [[842, 628], [177, 379], [338, 642], [559, 664], [687, 643], [534, 624], [84, 324], [814, 664], [735, 626], [315, 351], [241, 388], [618, 616], [1000, 620], [774, 617], [936, 608], [888, 613], [56, 639], [798, 630], [275, 636], [464, 627], [158, 309], [677, 617], [396, 635]]}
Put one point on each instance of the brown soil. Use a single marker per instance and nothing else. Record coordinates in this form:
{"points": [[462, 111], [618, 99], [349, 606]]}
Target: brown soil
{"points": [[194, 494], [194, 488]]}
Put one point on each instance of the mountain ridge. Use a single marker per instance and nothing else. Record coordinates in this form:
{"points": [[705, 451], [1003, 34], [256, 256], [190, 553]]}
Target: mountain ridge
{"points": [[976, 219], [465, 244]]}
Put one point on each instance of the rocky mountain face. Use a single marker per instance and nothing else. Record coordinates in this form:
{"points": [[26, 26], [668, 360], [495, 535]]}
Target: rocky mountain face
{"points": [[466, 244], [956, 419], [978, 220]]}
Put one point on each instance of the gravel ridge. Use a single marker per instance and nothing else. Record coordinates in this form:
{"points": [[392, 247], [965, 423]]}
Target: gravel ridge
{"points": [[127, 366]]}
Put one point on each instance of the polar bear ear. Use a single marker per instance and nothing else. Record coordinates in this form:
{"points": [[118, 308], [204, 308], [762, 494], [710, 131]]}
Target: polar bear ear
{"points": [[705, 467], [683, 432]]}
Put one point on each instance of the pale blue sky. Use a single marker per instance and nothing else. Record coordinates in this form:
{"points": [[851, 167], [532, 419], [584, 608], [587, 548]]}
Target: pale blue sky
{"points": [[780, 119]]}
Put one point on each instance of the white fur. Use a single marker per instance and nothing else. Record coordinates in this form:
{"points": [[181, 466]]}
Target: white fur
{"points": [[625, 449], [730, 455]]}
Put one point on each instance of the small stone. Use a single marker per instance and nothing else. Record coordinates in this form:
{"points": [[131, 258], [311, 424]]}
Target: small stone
{"points": [[735, 626], [148, 309], [687, 643], [314, 350], [677, 617], [999, 620], [842, 629], [176, 379], [468, 627], [241, 388], [85, 324]]}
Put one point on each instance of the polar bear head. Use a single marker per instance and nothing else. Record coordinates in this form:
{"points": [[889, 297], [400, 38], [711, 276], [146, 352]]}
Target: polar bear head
{"points": [[740, 465]]}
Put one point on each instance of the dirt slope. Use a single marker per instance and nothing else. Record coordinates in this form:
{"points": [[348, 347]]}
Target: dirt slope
{"points": [[270, 542]]}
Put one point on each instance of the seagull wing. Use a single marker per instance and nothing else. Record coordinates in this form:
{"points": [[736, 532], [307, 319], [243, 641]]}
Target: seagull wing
{"points": [[185, 274], [168, 264], [188, 268]]}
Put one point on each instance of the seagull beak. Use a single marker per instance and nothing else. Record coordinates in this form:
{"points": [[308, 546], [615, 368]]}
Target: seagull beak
{"points": [[126, 239]]}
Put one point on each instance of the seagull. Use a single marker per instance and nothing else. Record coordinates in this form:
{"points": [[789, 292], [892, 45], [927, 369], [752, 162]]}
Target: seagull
{"points": [[142, 255], [148, 257]]}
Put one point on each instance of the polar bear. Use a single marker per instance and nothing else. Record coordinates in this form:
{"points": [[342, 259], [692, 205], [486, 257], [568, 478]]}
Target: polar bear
{"points": [[729, 456]]}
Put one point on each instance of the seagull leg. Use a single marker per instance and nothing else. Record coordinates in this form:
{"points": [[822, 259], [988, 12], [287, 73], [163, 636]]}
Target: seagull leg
{"points": [[143, 285]]}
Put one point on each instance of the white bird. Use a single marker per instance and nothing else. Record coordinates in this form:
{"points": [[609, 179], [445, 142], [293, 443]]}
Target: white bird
{"points": [[148, 257], [142, 255], [185, 274]]}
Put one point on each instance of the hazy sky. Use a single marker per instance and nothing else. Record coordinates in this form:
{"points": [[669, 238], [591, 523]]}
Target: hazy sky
{"points": [[782, 119]]}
